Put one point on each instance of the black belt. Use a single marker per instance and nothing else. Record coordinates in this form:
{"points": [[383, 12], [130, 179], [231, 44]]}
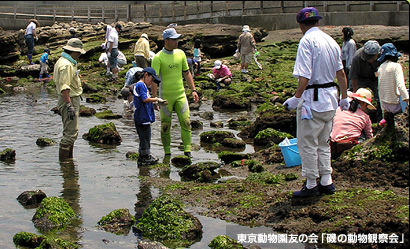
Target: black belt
{"points": [[316, 87]]}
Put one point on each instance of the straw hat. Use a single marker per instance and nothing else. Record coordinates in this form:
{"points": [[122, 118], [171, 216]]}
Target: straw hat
{"points": [[75, 45], [35, 21], [365, 96]]}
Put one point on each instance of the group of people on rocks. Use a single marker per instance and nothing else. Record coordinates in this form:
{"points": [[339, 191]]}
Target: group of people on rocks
{"points": [[326, 110]]}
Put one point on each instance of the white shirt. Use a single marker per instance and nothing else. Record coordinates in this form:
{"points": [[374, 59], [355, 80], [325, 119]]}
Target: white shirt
{"points": [[348, 50], [30, 28], [113, 38], [121, 56], [103, 58], [317, 59]]}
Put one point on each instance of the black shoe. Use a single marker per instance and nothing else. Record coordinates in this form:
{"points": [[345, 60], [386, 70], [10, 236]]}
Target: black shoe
{"points": [[328, 190], [147, 160], [305, 192], [188, 154]]}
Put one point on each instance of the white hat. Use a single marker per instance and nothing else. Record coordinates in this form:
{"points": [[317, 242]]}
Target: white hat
{"points": [[365, 96], [145, 36], [218, 64], [245, 28]]}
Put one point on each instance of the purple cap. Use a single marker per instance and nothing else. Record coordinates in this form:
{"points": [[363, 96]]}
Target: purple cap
{"points": [[308, 14]]}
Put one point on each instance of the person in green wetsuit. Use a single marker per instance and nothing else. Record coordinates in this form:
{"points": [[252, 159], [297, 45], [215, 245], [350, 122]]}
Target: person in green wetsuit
{"points": [[170, 64]]}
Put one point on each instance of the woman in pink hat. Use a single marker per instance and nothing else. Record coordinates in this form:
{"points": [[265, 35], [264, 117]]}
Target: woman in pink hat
{"points": [[348, 126]]}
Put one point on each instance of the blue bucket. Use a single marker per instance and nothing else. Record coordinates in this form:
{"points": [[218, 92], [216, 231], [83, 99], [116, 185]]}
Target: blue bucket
{"points": [[290, 153]]}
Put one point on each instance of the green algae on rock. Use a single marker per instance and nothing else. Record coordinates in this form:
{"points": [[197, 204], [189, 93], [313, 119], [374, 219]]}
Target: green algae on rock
{"points": [[107, 114], [166, 221], [269, 136], [31, 240], [8, 155], [44, 141], [103, 134], [118, 221], [223, 241], [53, 213]]}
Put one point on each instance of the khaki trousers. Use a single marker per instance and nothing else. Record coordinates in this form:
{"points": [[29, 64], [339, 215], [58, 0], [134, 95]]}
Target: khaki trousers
{"points": [[313, 142], [70, 127]]}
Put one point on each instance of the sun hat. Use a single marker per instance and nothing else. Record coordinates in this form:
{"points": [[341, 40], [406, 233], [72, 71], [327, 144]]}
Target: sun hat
{"points": [[170, 33], [145, 36], [370, 49], [388, 49], [245, 28], [74, 45], [218, 64], [365, 96], [35, 21], [151, 71], [308, 14]]}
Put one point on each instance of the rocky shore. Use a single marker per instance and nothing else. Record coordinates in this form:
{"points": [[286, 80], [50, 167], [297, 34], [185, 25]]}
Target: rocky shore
{"points": [[371, 179]]}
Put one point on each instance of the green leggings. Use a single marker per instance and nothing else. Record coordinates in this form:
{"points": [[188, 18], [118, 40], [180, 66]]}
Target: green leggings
{"points": [[179, 104]]}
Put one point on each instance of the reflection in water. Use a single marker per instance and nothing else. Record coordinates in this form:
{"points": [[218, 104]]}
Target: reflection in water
{"points": [[71, 194], [144, 196]]}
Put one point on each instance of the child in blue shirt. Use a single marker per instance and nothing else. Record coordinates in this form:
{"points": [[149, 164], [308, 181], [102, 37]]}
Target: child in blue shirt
{"points": [[43, 64], [144, 114]]}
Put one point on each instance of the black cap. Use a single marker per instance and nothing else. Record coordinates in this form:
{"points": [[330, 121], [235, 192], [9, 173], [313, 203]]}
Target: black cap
{"points": [[118, 26]]}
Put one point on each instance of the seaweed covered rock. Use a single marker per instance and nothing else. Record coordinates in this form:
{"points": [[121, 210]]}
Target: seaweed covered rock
{"points": [[270, 155], [201, 172], [233, 143], [108, 114], [223, 241], [215, 136], [31, 240], [228, 157], [8, 155], [181, 161], [166, 221], [118, 221], [31, 198], [44, 141], [283, 121], [53, 212], [230, 100], [87, 111], [103, 134], [270, 136]]}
